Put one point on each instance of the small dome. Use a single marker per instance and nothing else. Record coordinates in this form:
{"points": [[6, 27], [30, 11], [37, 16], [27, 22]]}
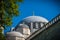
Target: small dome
{"points": [[14, 33], [35, 19], [23, 26]]}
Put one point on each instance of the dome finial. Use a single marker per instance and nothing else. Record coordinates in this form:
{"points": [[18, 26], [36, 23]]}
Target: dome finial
{"points": [[33, 13]]}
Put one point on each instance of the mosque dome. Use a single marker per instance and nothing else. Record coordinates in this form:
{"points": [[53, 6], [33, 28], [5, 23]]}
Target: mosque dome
{"points": [[23, 26], [14, 33], [35, 19]]}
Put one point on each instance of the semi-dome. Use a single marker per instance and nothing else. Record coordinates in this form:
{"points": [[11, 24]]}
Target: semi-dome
{"points": [[14, 33], [35, 19], [23, 26]]}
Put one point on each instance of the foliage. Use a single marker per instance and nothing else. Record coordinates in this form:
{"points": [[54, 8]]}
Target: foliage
{"points": [[2, 37], [8, 9]]}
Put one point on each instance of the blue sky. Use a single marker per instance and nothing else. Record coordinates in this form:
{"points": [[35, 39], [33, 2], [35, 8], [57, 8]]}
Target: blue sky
{"points": [[45, 8]]}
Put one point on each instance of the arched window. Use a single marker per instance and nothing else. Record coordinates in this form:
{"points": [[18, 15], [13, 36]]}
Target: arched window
{"points": [[39, 25], [34, 25]]}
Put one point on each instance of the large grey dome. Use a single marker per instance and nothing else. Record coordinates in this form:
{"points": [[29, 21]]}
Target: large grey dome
{"points": [[35, 19], [13, 33]]}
